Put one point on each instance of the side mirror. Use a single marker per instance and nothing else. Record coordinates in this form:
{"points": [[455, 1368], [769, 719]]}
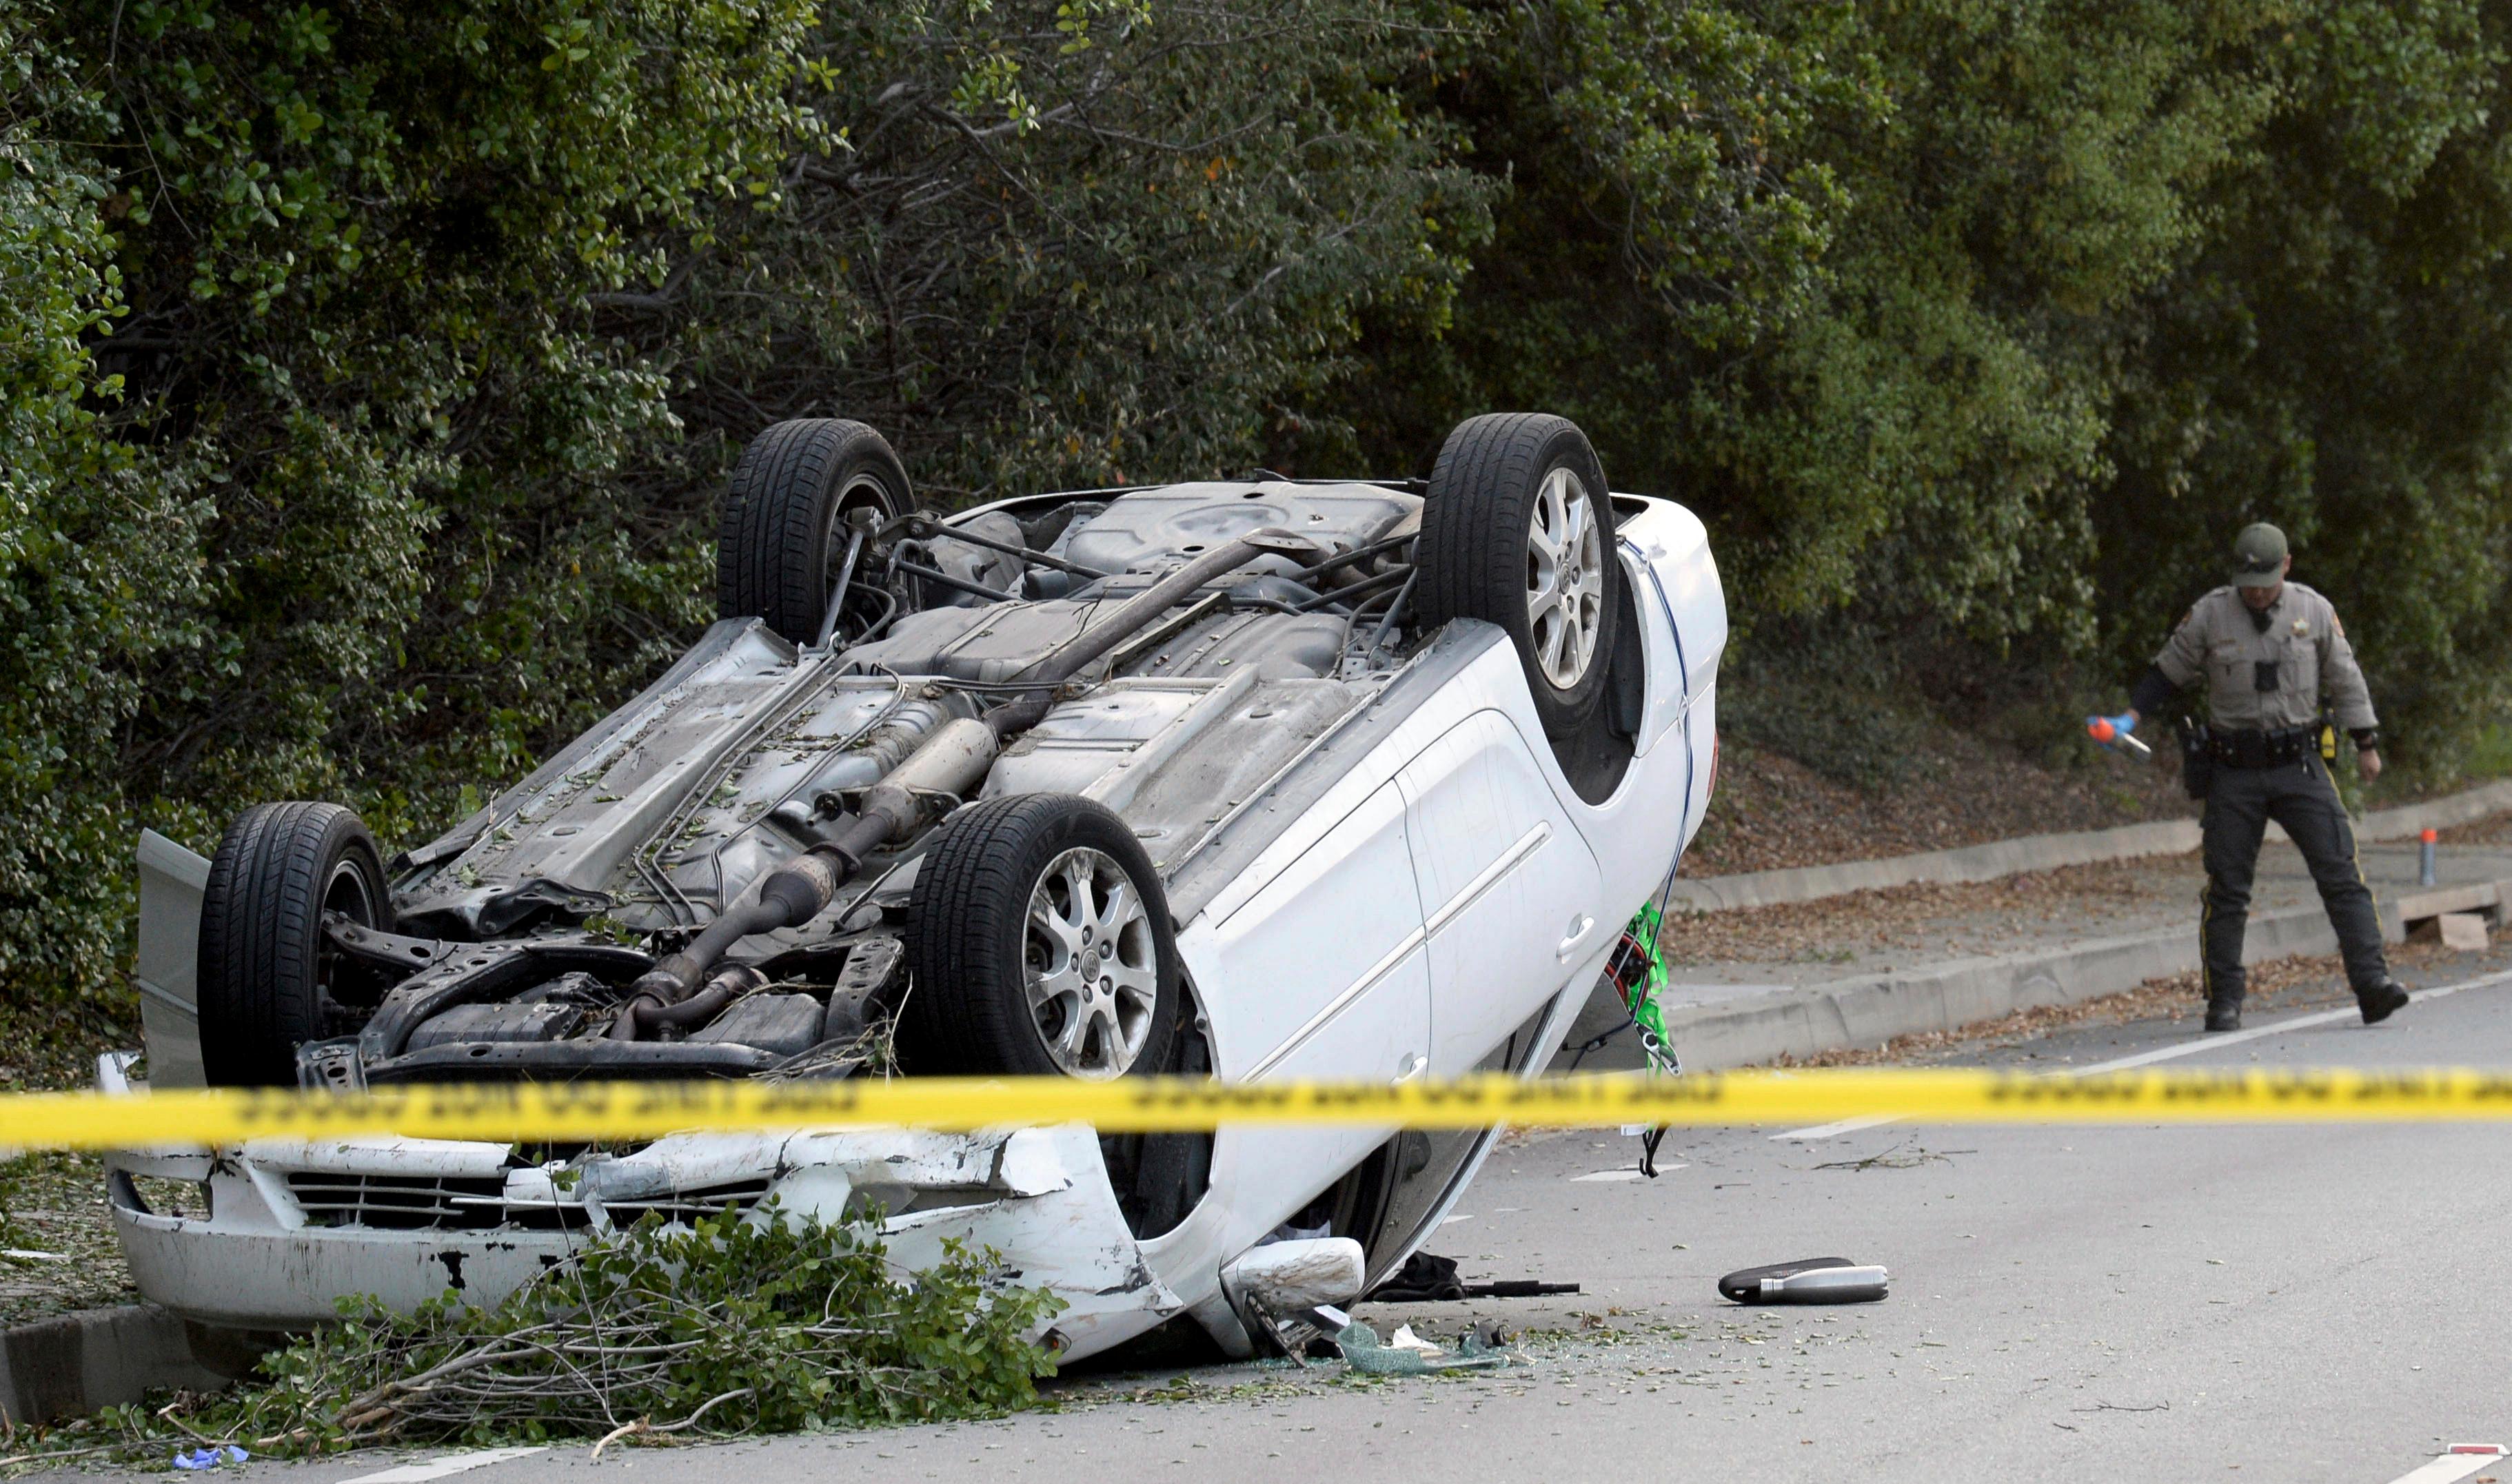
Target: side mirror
{"points": [[1286, 1280]]}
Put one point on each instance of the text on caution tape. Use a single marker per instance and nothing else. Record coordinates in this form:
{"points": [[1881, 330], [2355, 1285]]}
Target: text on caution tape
{"points": [[517, 1111]]}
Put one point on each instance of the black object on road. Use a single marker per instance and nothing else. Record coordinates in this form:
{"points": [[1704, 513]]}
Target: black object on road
{"points": [[1807, 1280], [1426, 1278]]}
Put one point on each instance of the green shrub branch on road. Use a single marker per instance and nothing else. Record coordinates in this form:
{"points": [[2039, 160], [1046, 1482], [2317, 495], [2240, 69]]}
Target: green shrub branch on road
{"points": [[724, 1327], [373, 368]]}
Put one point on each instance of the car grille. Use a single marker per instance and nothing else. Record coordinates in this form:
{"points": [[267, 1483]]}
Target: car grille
{"points": [[476, 1203], [400, 1203]]}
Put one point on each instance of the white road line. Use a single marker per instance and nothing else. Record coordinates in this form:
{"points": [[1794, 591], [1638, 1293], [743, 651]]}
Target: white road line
{"points": [[437, 1468], [1844, 1126], [2210, 1043], [2454, 1466], [2204, 1043]]}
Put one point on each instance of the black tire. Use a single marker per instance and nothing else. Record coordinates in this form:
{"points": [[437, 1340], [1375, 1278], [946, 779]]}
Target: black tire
{"points": [[264, 980], [1478, 558], [784, 529], [973, 950]]}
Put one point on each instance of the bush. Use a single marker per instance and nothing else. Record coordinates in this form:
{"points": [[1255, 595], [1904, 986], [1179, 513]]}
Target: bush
{"points": [[377, 400], [368, 404], [733, 1325], [2003, 318], [99, 543]]}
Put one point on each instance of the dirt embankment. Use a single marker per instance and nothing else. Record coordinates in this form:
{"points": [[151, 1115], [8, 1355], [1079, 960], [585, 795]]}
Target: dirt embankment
{"points": [[1771, 811], [1947, 788]]}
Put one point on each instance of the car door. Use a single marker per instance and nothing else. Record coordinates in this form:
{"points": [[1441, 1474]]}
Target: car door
{"points": [[1323, 965], [1509, 888], [1319, 972]]}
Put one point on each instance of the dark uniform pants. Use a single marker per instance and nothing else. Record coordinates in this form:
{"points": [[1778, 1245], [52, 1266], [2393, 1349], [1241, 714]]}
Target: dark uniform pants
{"points": [[2299, 796]]}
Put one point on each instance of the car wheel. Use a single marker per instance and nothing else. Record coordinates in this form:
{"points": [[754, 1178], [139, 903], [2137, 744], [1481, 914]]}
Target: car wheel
{"points": [[1041, 944], [784, 533], [1517, 531], [266, 979]]}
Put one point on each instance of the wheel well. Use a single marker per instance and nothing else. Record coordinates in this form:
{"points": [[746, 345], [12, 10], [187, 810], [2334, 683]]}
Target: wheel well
{"points": [[1596, 758], [1159, 1179]]}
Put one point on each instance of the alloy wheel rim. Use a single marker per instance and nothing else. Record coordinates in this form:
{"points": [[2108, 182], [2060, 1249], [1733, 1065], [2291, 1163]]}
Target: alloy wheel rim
{"points": [[1566, 579], [1090, 966]]}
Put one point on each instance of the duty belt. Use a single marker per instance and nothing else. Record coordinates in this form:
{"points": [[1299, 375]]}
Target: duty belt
{"points": [[2261, 749]]}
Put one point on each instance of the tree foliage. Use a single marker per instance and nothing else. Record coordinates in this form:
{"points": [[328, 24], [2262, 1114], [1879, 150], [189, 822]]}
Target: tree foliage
{"points": [[391, 354], [375, 366], [2335, 357], [2000, 319]]}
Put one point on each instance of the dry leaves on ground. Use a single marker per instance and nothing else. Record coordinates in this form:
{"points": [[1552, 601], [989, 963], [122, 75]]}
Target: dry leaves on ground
{"points": [[1771, 812], [53, 1219], [1943, 919], [2492, 830]]}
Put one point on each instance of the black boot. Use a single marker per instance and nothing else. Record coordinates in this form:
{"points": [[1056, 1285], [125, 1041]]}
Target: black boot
{"points": [[2379, 1002], [2225, 1014]]}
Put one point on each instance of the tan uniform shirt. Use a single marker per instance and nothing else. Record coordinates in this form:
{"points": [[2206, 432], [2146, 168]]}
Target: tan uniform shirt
{"points": [[2303, 642]]}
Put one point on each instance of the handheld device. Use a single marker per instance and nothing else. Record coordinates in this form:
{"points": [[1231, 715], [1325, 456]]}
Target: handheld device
{"points": [[2115, 732]]}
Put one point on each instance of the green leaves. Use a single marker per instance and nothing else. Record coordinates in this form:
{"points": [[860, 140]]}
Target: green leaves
{"points": [[318, 429], [767, 1323], [98, 541], [434, 332], [368, 373], [2000, 319], [2334, 358]]}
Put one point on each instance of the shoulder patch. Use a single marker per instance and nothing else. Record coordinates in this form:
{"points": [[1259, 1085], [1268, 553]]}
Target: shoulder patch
{"points": [[2335, 627]]}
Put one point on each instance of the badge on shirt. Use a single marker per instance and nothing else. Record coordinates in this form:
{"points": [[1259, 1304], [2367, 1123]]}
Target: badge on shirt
{"points": [[2302, 627]]}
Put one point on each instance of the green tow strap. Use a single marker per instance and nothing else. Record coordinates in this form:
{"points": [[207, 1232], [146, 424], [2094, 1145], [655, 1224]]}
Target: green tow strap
{"points": [[1638, 967], [1639, 971]]}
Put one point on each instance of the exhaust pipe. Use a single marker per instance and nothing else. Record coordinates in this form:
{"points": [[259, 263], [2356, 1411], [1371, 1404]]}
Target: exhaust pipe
{"points": [[952, 762], [644, 1012]]}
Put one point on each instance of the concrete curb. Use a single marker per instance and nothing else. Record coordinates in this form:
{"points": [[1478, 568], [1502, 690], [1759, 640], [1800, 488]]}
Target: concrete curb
{"points": [[2437, 813], [2045, 852], [102, 1357]]}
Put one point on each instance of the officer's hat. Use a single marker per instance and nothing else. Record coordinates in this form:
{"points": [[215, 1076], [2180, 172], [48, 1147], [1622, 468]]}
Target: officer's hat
{"points": [[2259, 555]]}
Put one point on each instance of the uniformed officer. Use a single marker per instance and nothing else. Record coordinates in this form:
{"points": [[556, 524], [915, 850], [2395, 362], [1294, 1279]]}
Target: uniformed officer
{"points": [[2268, 651]]}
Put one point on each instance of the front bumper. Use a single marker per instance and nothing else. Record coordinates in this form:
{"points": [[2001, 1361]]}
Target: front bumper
{"points": [[273, 1235]]}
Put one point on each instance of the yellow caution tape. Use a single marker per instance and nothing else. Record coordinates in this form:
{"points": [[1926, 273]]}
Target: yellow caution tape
{"points": [[568, 1112]]}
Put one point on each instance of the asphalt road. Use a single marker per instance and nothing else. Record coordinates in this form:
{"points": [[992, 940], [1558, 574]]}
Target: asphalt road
{"points": [[2147, 1303]]}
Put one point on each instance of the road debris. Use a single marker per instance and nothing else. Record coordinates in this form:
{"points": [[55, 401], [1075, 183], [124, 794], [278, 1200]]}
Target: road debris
{"points": [[1899, 1156], [1807, 1280], [1408, 1354], [1427, 1278]]}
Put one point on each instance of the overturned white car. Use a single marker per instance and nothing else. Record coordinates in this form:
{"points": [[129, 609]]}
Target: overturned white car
{"points": [[1260, 779]]}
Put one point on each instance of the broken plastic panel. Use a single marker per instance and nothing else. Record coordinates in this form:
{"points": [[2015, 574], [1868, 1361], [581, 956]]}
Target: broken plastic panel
{"points": [[1807, 1280]]}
